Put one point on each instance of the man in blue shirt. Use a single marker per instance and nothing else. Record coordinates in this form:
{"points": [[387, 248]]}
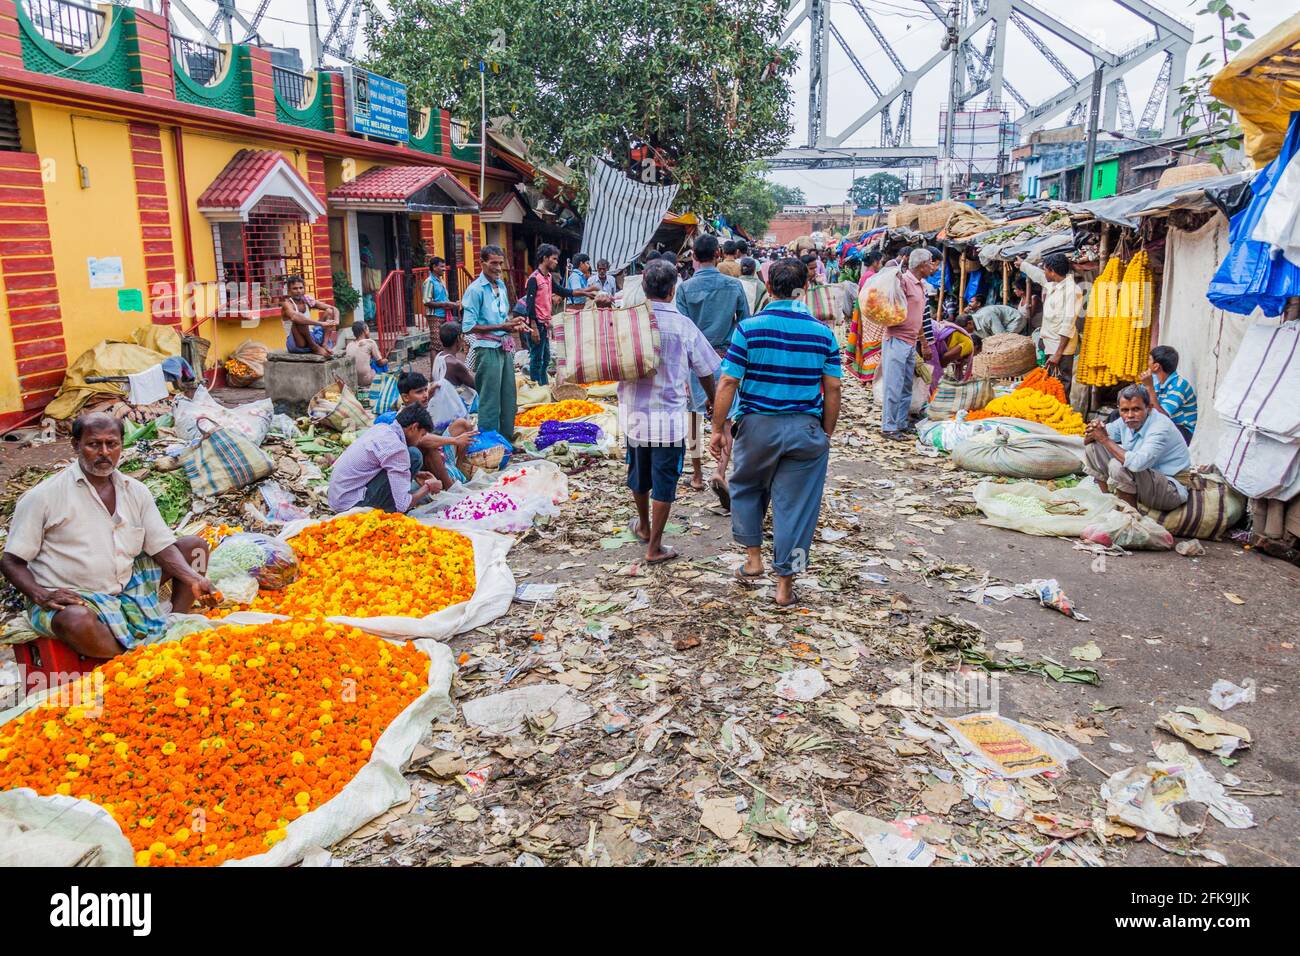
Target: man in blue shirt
{"points": [[785, 367], [437, 300], [579, 284], [715, 303], [1141, 456], [1170, 393], [490, 328]]}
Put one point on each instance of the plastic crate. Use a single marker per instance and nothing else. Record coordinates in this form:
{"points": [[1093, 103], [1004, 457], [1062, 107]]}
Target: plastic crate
{"points": [[47, 662]]}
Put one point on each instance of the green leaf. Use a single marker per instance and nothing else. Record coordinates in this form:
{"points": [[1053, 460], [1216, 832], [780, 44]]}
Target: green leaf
{"points": [[1233, 45]]}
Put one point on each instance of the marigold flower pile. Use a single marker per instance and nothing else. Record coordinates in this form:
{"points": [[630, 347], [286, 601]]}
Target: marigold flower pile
{"points": [[1040, 381], [213, 534], [557, 412], [205, 749], [1033, 406], [373, 564]]}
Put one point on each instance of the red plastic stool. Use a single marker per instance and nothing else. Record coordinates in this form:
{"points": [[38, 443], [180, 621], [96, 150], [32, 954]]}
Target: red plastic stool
{"points": [[47, 662]]}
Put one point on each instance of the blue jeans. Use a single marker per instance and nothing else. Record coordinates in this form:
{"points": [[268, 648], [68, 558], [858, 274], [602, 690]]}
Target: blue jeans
{"points": [[539, 353], [897, 370], [778, 460]]}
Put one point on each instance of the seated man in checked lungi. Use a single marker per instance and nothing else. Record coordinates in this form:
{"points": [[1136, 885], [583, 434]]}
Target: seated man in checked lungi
{"points": [[89, 551]]}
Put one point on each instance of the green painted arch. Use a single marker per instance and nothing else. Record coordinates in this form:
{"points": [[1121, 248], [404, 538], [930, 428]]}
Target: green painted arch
{"points": [[312, 116], [107, 64], [230, 93], [431, 141]]}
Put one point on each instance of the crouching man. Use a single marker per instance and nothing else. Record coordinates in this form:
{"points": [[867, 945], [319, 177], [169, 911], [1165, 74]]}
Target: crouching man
{"points": [[1141, 457], [89, 551]]}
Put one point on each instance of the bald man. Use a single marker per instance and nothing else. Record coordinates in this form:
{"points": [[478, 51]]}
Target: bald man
{"points": [[89, 551]]}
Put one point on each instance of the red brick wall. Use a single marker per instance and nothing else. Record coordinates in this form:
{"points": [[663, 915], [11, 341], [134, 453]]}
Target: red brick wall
{"points": [[259, 61], [11, 49], [31, 295], [444, 125], [337, 104], [320, 231], [155, 222], [151, 59]]}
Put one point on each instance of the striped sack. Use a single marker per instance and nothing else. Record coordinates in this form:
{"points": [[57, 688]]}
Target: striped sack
{"points": [[224, 461], [1213, 508], [602, 345], [820, 299], [951, 397]]}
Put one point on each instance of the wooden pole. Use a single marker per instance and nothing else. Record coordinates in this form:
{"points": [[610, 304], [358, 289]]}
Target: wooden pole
{"points": [[1006, 282], [961, 288]]}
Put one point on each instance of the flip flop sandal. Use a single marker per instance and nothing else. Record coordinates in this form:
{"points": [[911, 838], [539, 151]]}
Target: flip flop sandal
{"points": [[724, 495], [745, 579], [668, 555], [793, 602]]}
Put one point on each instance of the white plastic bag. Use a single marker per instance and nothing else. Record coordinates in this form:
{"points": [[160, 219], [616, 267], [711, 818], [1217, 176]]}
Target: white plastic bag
{"points": [[1032, 509], [1013, 454], [253, 420], [1129, 529], [881, 299], [445, 404]]}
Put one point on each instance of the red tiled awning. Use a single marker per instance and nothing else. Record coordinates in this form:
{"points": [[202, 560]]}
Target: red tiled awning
{"points": [[251, 176], [504, 206], [406, 188]]}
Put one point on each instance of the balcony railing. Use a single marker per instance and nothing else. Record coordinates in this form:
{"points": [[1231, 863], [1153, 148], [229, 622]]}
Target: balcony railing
{"points": [[72, 27], [204, 64], [291, 85]]}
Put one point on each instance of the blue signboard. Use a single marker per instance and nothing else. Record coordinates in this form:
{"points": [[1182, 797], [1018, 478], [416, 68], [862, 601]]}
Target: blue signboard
{"points": [[376, 105]]}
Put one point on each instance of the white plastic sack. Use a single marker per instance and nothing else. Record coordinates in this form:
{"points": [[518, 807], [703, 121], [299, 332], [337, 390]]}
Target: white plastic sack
{"points": [[1014, 454], [253, 420], [1129, 529], [377, 786], [533, 487], [493, 591], [445, 404], [1032, 509]]}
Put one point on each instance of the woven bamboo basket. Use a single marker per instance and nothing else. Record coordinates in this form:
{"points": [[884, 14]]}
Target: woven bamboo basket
{"points": [[1178, 175], [1005, 355], [903, 216], [935, 216], [567, 392]]}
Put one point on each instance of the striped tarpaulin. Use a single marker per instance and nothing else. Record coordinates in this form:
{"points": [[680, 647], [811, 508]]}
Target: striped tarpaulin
{"points": [[622, 215]]}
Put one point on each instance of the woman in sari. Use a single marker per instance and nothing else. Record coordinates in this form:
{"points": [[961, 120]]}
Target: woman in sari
{"points": [[954, 348]]}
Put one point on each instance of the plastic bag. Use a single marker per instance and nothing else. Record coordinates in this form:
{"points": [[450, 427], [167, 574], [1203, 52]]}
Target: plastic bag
{"points": [[1032, 509], [881, 299], [445, 405], [281, 508], [252, 420], [1015, 455], [510, 503], [489, 450], [284, 426], [1127, 529], [267, 560]]}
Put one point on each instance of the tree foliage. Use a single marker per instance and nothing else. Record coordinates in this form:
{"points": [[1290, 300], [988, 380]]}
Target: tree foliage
{"points": [[755, 200], [1197, 109], [703, 85], [878, 189]]}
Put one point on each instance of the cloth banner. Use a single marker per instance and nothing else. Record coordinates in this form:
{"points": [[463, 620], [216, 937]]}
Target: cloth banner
{"points": [[622, 215]]}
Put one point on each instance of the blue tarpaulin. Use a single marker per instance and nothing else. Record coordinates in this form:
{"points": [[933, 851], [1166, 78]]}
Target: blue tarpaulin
{"points": [[1251, 276]]}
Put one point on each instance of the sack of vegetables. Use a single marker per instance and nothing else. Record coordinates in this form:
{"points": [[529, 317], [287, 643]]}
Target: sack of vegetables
{"points": [[267, 562]]}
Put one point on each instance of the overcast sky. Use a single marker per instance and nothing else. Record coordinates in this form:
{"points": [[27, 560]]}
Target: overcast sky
{"points": [[915, 35]]}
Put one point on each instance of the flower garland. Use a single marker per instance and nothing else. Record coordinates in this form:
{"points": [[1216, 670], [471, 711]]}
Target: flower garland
{"points": [[213, 534], [577, 433], [557, 411], [1033, 406], [374, 564], [478, 506], [204, 749], [1040, 381]]}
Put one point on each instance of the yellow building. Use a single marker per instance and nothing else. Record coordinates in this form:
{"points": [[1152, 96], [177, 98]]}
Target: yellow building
{"points": [[145, 178]]}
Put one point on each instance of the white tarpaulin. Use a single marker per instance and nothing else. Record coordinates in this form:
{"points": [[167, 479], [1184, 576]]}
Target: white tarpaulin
{"points": [[622, 215], [378, 785], [1206, 338]]}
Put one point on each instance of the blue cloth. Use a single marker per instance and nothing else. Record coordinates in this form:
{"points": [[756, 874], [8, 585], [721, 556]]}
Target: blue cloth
{"points": [[575, 281], [435, 290], [778, 460], [780, 356], [1177, 397], [485, 304], [1250, 276], [386, 418], [655, 469], [317, 335], [715, 303], [1157, 445], [895, 374], [134, 615]]}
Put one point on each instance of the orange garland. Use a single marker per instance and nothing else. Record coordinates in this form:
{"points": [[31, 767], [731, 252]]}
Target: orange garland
{"points": [[374, 564], [204, 749], [557, 411], [1040, 381]]}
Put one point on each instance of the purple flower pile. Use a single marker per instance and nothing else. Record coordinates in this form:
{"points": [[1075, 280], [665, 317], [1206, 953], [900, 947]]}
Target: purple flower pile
{"points": [[578, 433]]}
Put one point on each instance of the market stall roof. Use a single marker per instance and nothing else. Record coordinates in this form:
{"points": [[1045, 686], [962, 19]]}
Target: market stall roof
{"points": [[513, 151], [1227, 193], [251, 176], [1262, 83], [405, 189], [505, 206]]}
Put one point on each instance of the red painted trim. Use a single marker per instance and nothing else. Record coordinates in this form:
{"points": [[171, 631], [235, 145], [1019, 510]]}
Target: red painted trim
{"points": [[19, 177], [24, 230], [38, 400], [23, 261], [15, 194], [33, 333], [23, 300], [40, 313], [41, 347], [45, 363], [37, 280], [13, 160]]}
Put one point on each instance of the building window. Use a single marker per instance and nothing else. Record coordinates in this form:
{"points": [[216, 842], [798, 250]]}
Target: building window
{"points": [[255, 258]]}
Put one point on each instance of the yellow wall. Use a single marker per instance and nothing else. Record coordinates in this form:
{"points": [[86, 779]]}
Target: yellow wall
{"points": [[100, 220]]}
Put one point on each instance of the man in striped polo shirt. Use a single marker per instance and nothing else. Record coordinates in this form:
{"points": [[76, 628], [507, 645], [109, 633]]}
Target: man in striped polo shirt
{"points": [[1169, 392], [785, 367]]}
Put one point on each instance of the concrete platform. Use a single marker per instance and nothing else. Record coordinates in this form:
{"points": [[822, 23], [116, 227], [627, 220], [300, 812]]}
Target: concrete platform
{"points": [[292, 381]]}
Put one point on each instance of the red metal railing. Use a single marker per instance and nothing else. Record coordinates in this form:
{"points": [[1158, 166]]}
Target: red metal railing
{"points": [[390, 310], [419, 276]]}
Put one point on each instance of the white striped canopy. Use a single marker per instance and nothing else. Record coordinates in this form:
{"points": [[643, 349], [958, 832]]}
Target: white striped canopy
{"points": [[622, 215]]}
